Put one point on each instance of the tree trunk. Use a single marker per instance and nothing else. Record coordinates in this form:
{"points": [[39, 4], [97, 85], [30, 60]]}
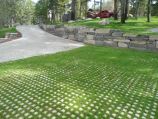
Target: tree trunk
{"points": [[80, 9], [94, 4], [115, 9], [101, 4], [73, 12], [137, 9], [86, 8], [126, 9], [149, 11], [123, 16]]}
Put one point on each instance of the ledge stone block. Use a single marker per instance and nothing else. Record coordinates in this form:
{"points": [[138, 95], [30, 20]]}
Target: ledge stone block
{"points": [[102, 31], [81, 37], [119, 40], [90, 37], [151, 45], [71, 37], [138, 44], [99, 42], [117, 34], [60, 32], [90, 42], [110, 43]]}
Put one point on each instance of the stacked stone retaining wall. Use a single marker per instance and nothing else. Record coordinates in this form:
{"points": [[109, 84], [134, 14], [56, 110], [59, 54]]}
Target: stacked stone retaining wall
{"points": [[104, 37]]}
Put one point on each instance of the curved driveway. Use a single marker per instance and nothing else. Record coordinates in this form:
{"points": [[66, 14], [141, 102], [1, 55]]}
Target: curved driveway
{"points": [[33, 43]]}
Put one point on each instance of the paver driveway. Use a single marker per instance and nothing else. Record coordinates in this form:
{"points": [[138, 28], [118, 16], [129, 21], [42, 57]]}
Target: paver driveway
{"points": [[34, 42], [86, 83]]}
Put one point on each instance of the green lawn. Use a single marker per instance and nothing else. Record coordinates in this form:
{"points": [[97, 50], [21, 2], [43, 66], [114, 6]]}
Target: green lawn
{"points": [[87, 83], [132, 26], [3, 31]]}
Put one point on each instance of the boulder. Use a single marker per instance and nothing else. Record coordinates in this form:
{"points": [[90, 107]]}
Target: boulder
{"points": [[104, 22], [71, 21], [89, 19], [122, 45]]}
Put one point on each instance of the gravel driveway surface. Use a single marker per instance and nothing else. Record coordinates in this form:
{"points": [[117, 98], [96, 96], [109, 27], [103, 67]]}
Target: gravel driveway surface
{"points": [[33, 43]]}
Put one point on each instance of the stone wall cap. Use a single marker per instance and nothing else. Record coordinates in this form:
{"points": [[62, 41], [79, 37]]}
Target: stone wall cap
{"points": [[71, 27], [115, 30], [81, 28], [102, 31], [102, 34], [59, 26], [118, 40], [50, 25], [90, 33], [129, 35]]}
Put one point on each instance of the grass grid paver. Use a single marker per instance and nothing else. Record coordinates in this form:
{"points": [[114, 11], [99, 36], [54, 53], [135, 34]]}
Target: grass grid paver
{"points": [[87, 83]]}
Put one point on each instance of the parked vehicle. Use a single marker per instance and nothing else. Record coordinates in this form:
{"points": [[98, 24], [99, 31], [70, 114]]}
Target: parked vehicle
{"points": [[105, 14], [102, 14]]}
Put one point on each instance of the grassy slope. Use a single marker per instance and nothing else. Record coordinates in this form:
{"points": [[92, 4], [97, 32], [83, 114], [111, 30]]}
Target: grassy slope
{"points": [[3, 31], [132, 26], [113, 82]]}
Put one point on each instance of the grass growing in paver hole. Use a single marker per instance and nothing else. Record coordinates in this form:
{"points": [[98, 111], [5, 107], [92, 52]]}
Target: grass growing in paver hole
{"points": [[88, 83]]}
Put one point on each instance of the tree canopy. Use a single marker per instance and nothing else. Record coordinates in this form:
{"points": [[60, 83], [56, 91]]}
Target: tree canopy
{"points": [[49, 11], [12, 11]]}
